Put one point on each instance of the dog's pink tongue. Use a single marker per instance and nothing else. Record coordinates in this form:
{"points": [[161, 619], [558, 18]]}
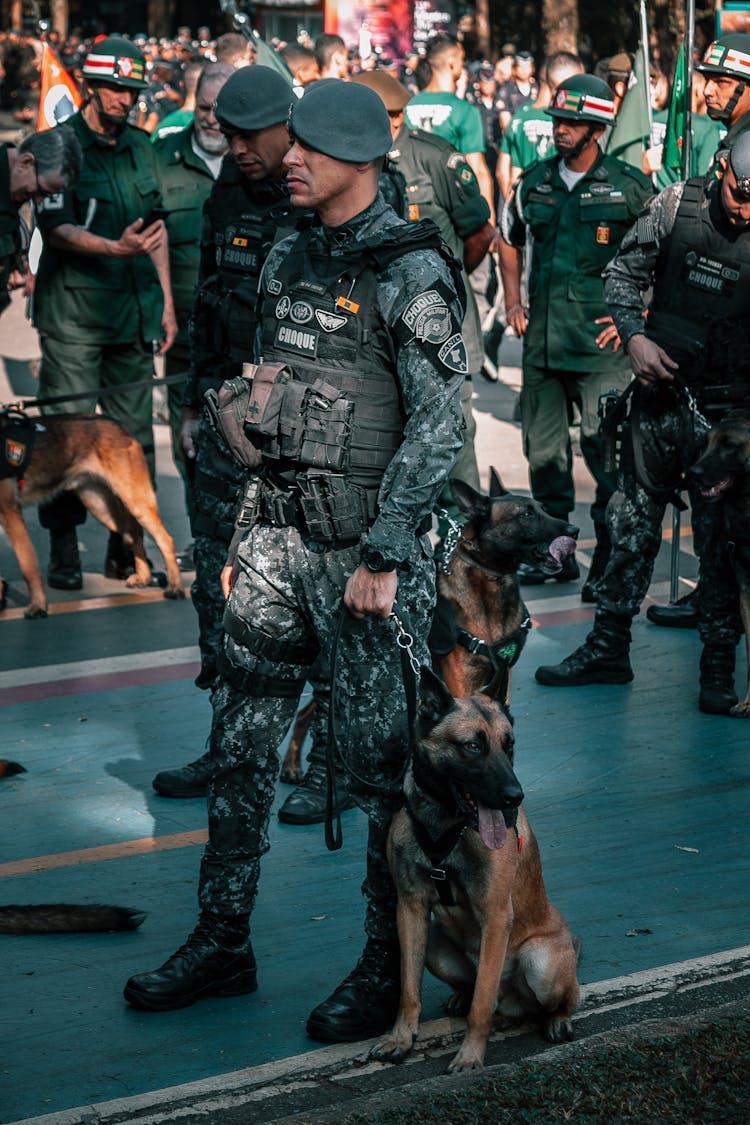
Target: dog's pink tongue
{"points": [[492, 827], [561, 547]]}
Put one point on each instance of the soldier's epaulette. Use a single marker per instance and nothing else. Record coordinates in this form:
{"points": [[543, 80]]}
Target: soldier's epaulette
{"points": [[431, 139], [546, 165]]}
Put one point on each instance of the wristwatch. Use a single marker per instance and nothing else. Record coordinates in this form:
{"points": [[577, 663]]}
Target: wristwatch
{"points": [[376, 561]]}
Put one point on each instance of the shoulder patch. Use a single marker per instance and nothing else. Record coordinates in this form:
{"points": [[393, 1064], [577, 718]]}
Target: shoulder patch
{"points": [[428, 317], [456, 159], [453, 355]]}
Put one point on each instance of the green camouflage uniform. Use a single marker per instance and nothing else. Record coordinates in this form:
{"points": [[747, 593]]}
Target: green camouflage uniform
{"points": [[284, 606]]}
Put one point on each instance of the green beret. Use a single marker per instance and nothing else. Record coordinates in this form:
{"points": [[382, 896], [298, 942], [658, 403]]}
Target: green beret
{"points": [[342, 120]]}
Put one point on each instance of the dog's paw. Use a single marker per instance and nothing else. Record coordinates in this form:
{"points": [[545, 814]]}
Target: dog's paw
{"points": [[291, 776], [468, 1059], [174, 593], [391, 1049], [558, 1030], [34, 612], [741, 710]]}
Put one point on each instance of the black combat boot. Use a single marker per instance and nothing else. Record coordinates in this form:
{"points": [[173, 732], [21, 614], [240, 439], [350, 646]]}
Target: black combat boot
{"points": [[601, 659], [599, 561], [307, 803], [64, 571], [681, 614], [216, 960], [717, 694], [366, 1003], [119, 563], [187, 781]]}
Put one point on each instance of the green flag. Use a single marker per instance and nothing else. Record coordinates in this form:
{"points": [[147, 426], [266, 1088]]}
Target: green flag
{"points": [[674, 136], [631, 132], [266, 56]]}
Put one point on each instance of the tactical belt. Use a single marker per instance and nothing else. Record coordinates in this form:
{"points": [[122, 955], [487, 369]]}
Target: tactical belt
{"points": [[257, 682]]}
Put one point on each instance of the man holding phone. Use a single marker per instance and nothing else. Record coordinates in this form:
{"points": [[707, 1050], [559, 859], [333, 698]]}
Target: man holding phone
{"points": [[103, 299]]}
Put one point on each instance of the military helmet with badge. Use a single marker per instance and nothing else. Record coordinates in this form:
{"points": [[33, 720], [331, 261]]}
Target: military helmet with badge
{"points": [[728, 55], [739, 159], [343, 120], [255, 97], [116, 60], [585, 98]]}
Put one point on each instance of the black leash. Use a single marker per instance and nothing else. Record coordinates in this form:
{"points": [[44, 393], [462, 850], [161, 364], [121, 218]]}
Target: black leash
{"points": [[101, 392], [410, 674]]}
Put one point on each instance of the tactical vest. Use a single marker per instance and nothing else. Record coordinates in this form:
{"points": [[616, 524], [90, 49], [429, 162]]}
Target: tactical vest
{"points": [[701, 298], [245, 221], [320, 316]]}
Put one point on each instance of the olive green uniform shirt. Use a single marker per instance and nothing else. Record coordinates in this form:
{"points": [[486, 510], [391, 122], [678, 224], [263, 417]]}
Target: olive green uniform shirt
{"points": [[574, 235], [111, 300], [186, 182]]}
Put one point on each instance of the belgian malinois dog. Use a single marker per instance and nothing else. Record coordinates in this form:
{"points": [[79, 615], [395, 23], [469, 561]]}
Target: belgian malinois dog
{"points": [[723, 474], [471, 900], [99, 460], [481, 621]]}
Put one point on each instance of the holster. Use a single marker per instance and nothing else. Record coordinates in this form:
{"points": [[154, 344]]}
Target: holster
{"points": [[227, 409]]}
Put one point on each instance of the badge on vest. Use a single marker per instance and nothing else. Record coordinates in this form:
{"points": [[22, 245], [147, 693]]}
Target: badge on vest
{"points": [[602, 236], [329, 322], [302, 341], [709, 275], [453, 355], [428, 317], [274, 287]]}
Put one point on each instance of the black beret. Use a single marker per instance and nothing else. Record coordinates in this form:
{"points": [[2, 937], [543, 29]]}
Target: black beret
{"points": [[255, 97], [343, 120]]}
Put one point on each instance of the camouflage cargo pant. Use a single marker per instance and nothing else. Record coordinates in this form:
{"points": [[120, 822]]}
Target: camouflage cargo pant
{"points": [[635, 518], [284, 609]]}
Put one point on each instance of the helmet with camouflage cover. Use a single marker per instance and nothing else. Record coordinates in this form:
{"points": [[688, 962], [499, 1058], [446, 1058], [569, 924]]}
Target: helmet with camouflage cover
{"points": [[116, 60], [584, 98], [738, 157]]}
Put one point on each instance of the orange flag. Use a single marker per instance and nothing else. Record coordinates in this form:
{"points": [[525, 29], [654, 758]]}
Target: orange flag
{"points": [[58, 96]]}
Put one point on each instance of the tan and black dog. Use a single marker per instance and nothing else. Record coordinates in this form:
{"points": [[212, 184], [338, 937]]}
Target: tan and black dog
{"points": [[99, 460], [472, 905], [481, 622], [723, 474], [68, 918]]}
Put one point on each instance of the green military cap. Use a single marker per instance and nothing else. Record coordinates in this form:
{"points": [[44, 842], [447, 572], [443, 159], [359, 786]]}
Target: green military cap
{"points": [[116, 60], [255, 97], [584, 97], [728, 55], [343, 120]]}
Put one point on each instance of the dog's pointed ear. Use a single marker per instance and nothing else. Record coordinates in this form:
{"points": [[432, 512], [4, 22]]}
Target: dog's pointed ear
{"points": [[474, 505], [497, 488], [435, 701]]}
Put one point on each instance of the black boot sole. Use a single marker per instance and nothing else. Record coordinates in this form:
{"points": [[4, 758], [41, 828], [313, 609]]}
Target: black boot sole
{"points": [[238, 985]]}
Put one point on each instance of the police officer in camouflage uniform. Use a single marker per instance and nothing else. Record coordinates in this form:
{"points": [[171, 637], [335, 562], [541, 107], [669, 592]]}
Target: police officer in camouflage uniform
{"points": [[693, 246], [356, 444], [726, 66], [103, 297], [576, 207]]}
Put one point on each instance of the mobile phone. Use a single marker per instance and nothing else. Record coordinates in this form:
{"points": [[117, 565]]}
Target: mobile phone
{"points": [[154, 215]]}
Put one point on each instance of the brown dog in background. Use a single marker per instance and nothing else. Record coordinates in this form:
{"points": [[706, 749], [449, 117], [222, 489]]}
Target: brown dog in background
{"points": [[472, 905], [99, 460], [481, 621]]}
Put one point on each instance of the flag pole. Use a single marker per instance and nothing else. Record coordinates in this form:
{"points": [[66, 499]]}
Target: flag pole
{"points": [[646, 63], [687, 148]]}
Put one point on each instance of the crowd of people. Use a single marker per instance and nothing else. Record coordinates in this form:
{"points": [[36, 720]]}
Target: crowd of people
{"points": [[201, 204]]}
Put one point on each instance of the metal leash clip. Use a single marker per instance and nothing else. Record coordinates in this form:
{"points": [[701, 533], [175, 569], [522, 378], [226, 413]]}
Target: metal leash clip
{"points": [[405, 641]]}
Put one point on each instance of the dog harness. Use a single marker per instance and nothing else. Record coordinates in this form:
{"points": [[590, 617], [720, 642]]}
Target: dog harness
{"points": [[438, 850], [17, 434]]}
